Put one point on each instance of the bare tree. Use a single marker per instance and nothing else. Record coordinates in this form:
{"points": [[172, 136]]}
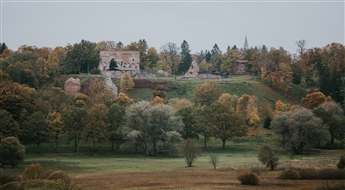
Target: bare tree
{"points": [[170, 55], [190, 149], [301, 44], [214, 160]]}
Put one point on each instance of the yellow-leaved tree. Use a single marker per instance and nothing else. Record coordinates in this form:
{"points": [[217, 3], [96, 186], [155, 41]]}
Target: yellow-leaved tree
{"points": [[126, 82]]}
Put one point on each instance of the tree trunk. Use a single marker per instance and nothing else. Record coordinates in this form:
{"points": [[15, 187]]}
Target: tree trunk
{"points": [[112, 144], [205, 141], [57, 147], [223, 140], [117, 145], [38, 147], [272, 166]]}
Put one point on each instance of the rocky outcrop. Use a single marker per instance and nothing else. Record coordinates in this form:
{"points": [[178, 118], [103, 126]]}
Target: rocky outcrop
{"points": [[109, 83], [72, 85]]}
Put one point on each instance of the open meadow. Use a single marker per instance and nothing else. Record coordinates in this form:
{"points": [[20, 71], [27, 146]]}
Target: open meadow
{"points": [[127, 170]]}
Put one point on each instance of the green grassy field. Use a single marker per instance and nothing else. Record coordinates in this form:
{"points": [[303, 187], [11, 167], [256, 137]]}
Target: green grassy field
{"points": [[237, 85]]}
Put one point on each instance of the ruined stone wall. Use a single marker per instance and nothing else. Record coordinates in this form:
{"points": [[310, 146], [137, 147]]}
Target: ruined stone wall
{"points": [[72, 85], [124, 59]]}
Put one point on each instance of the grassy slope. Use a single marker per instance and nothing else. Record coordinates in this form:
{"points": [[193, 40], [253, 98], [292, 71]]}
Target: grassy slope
{"points": [[237, 85]]}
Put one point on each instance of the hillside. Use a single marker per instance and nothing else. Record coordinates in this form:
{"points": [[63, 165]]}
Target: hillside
{"points": [[237, 85], [182, 88]]}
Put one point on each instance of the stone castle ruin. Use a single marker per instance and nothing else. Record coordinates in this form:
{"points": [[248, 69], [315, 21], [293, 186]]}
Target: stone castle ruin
{"points": [[118, 62], [195, 72]]}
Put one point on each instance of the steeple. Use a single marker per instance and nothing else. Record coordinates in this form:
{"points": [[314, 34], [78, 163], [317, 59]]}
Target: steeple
{"points": [[245, 43]]}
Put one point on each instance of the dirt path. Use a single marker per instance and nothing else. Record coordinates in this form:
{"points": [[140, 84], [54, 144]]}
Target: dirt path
{"points": [[192, 179]]}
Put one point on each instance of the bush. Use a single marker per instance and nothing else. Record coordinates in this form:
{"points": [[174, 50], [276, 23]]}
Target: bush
{"points": [[33, 172], [249, 179], [190, 149], [95, 71], [7, 179], [331, 174], [12, 186], [11, 151], [290, 174], [334, 187], [308, 173], [341, 164]]}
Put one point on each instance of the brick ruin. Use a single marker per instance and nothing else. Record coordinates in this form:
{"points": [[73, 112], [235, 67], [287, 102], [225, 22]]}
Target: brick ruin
{"points": [[126, 61], [72, 85]]}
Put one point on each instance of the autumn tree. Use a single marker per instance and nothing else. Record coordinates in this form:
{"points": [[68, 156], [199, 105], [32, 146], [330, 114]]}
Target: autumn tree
{"points": [[82, 56], [17, 100], [206, 93], [21, 72], [11, 151], [267, 156], [123, 100], [300, 127], [185, 58], [57, 60], [247, 106], [9, 126], [226, 123], [314, 99], [160, 92], [280, 106], [169, 53], [115, 117], [189, 149], [202, 123], [332, 115], [228, 62], [189, 129], [143, 123], [56, 127], [97, 125], [151, 59], [126, 82], [74, 119], [35, 129], [59, 99]]}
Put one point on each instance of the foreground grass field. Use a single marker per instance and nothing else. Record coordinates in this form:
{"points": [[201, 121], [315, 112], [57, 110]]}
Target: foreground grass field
{"points": [[127, 170]]}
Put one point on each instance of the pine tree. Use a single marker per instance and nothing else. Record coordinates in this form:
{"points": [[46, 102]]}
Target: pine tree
{"points": [[186, 58], [215, 50]]}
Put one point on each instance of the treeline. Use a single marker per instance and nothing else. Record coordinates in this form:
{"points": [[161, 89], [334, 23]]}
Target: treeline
{"points": [[37, 116], [315, 69]]}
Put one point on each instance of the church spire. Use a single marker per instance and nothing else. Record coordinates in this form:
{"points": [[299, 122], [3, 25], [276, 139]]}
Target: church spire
{"points": [[245, 43]]}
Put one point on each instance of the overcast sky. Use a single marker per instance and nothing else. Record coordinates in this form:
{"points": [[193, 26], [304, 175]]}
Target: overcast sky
{"points": [[201, 23]]}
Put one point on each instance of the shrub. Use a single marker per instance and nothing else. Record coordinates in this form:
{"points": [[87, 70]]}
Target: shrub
{"points": [[8, 178], [334, 187], [95, 71], [341, 164], [33, 172], [11, 151], [331, 174], [290, 174], [33, 184], [12, 186], [249, 179], [190, 149], [308, 173]]}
